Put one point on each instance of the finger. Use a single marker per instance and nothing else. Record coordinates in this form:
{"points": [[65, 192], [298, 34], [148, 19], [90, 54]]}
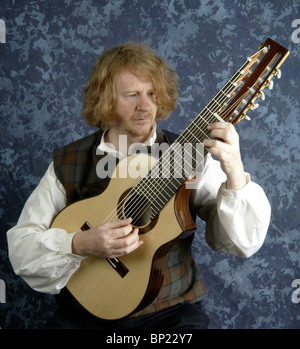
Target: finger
{"points": [[126, 245], [124, 251], [126, 241], [223, 134], [112, 246], [218, 148], [121, 232], [117, 224], [118, 228], [221, 125], [217, 144], [219, 153]]}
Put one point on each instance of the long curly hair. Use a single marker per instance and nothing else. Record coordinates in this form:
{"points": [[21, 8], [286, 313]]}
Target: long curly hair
{"points": [[100, 96]]}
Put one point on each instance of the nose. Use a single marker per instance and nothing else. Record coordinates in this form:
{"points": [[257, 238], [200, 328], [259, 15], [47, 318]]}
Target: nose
{"points": [[143, 103]]}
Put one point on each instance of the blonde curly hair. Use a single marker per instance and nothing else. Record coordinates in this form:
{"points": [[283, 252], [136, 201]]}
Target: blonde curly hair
{"points": [[99, 93]]}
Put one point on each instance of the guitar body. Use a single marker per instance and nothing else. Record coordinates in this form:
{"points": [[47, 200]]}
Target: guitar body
{"points": [[96, 285]]}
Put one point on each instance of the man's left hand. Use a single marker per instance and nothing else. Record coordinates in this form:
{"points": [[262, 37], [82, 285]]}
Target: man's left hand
{"points": [[224, 144]]}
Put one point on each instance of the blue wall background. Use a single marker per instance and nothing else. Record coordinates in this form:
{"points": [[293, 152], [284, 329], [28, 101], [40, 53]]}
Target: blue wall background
{"points": [[50, 49]]}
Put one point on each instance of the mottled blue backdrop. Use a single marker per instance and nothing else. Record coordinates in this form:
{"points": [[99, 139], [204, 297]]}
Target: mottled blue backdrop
{"points": [[50, 49]]}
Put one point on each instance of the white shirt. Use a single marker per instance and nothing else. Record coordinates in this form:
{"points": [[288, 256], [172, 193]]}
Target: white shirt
{"points": [[236, 223]]}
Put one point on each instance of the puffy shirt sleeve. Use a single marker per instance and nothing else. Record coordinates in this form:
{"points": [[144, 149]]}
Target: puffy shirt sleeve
{"points": [[40, 255], [236, 220]]}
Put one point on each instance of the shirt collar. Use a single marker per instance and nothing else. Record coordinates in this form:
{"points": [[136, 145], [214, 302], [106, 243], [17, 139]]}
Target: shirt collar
{"points": [[105, 147]]}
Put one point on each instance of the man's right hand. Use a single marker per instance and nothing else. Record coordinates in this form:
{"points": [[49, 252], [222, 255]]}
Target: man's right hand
{"points": [[108, 240]]}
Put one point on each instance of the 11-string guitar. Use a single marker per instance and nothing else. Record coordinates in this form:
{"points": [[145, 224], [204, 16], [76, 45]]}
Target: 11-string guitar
{"points": [[113, 288]]}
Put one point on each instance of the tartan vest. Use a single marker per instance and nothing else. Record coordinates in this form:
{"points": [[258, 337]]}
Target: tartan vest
{"points": [[75, 167]]}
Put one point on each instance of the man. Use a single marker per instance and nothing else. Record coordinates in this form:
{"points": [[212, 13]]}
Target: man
{"points": [[130, 90]]}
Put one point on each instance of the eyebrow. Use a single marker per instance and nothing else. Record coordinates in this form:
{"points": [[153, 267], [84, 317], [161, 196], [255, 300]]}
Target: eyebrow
{"points": [[136, 91]]}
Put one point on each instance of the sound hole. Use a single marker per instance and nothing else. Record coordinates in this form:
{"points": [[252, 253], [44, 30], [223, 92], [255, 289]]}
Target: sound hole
{"points": [[138, 207]]}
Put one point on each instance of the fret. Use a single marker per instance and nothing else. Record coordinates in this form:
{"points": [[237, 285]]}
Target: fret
{"points": [[226, 94], [184, 143], [173, 154], [222, 102], [185, 136], [192, 134]]}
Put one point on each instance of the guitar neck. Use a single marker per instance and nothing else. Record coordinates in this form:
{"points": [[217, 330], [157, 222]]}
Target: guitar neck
{"points": [[230, 104]]}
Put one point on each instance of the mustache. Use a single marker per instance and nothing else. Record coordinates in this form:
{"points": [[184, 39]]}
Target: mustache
{"points": [[142, 116]]}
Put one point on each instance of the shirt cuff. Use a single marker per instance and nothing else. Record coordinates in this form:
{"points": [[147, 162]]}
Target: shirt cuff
{"points": [[237, 193], [66, 247]]}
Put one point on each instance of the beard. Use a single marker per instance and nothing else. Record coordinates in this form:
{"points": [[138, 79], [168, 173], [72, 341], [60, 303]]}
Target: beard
{"points": [[138, 126], [140, 130]]}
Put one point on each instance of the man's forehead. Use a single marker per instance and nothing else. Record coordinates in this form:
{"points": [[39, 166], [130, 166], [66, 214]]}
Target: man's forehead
{"points": [[129, 76]]}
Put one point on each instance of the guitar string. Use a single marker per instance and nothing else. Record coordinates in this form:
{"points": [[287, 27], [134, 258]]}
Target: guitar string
{"points": [[210, 112]]}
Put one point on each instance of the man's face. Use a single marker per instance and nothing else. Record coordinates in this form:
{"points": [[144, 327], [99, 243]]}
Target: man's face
{"points": [[135, 105]]}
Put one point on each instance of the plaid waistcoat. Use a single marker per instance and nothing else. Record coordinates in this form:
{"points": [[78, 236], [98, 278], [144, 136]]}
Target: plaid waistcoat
{"points": [[75, 167]]}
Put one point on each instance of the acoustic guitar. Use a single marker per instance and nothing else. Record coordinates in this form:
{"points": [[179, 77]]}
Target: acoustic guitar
{"points": [[113, 288]]}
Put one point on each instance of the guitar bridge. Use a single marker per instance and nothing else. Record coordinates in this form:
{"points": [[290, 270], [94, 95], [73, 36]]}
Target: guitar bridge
{"points": [[118, 266], [115, 263]]}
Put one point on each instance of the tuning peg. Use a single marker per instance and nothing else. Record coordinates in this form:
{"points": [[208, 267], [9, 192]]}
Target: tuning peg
{"points": [[278, 73], [246, 117], [254, 106], [262, 95], [271, 85]]}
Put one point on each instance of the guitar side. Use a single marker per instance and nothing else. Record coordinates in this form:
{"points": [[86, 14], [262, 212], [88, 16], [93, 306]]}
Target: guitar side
{"points": [[96, 285]]}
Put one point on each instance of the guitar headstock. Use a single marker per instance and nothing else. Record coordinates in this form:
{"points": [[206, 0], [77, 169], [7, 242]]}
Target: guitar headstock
{"points": [[250, 80]]}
